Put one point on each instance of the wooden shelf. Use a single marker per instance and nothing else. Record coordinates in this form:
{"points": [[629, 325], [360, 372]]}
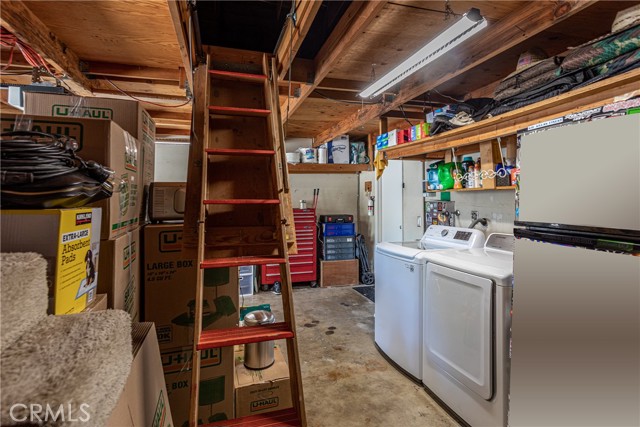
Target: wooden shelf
{"points": [[326, 168], [597, 94], [511, 187], [215, 338]]}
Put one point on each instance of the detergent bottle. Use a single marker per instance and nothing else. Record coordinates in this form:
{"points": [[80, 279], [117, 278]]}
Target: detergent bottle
{"points": [[432, 176], [445, 176]]}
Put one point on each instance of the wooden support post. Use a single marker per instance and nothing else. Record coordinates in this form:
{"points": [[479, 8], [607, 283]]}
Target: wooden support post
{"points": [[489, 158], [383, 125], [371, 149], [511, 142]]}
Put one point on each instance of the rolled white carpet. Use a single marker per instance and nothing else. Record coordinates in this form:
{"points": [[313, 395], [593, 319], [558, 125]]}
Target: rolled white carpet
{"points": [[23, 294], [80, 361]]}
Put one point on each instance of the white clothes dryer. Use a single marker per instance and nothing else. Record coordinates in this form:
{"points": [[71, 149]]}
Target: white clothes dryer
{"points": [[466, 326]]}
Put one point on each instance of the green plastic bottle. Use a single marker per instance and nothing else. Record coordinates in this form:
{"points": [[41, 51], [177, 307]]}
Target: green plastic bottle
{"points": [[445, 175]]}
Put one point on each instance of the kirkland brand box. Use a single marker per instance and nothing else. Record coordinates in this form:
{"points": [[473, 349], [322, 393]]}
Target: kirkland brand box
{"points": [[120, 272], [215, 399], [169, 289], [69, 239], [144, 401], [108, 144], [263, 390]]}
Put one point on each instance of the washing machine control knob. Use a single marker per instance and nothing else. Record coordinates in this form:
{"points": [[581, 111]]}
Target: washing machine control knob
{"points": [[444, 232]]}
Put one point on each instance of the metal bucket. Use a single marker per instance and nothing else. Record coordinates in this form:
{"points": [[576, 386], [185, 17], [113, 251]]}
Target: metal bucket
{"points": [[259, 355]]}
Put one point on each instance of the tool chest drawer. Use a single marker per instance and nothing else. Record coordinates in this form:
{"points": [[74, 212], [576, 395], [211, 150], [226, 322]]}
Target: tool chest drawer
{"points": [[303, 265]]}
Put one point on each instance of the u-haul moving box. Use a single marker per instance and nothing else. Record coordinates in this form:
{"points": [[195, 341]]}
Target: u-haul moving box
{"points": [[69, 239], [215, 398], [144, 401], [120, 268], [127, 113], [262, 390], [108, 144], [169, 289]]}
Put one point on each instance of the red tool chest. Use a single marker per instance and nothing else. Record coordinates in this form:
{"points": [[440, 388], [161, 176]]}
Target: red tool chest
{"points": [[304, 266]]}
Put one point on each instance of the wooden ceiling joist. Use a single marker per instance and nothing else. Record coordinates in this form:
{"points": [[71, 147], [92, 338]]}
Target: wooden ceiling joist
{"points": [[355, 19], [179, 11], [293, 35], [510, 31], [24, 24], [136, 87], [132, 71]]}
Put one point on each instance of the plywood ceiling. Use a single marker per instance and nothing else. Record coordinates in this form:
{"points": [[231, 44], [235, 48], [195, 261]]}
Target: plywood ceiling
{"points": [[400, 30], [135, 32]]}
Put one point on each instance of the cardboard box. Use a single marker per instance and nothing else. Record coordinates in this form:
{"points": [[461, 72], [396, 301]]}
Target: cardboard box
{"points": [[339, 273], [382, 141], [264, 390], [169, 289], [392, 137], [128, 114], [69, 239], [338, 150], [144, 401], [120, 268], [216, 384], [108, 144], [99, 304]]}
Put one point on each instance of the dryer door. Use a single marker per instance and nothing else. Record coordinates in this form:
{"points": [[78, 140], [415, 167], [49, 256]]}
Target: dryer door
{"points": [[458, 327]]}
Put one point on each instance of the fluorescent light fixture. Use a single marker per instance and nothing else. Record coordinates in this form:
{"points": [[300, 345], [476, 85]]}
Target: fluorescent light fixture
{"points": [[470, 23]]}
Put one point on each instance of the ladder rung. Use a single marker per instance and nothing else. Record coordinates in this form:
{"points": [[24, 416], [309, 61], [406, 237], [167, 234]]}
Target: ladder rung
{"points": [[241, 202], [239, 152], [284, 417], [243, 77], [238, 111], [215, 338], [239, 261]]}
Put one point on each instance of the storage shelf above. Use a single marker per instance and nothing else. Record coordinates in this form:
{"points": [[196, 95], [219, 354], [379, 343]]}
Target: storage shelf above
{"points": [[510, 187], [326, 168], [597, 94]]}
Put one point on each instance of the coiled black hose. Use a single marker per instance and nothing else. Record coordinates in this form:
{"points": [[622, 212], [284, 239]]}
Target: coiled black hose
{"points": [[41, 170]]}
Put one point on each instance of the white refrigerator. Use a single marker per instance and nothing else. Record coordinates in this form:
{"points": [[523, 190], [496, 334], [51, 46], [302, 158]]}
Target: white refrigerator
{"points": [[576, 296]]}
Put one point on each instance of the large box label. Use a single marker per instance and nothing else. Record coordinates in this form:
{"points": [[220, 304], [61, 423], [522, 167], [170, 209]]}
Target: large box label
{"points": [[58, 110]]}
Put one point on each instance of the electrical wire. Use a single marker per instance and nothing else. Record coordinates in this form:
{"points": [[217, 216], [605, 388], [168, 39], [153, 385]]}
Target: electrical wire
{"points": [[405, 115], [147, 102], [8, 39], [291, 16], [447, 96]]}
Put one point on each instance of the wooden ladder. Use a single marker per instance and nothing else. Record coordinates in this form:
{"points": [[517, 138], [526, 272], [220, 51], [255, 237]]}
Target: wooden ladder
{"points": [[238, 210]]}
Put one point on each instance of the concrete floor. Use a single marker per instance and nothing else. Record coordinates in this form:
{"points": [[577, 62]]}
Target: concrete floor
{"points": [[347, 383]]}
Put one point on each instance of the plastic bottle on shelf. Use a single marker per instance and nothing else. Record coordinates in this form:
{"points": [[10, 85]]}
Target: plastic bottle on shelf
{"points": [[432, 176], [466, 162], [471, 176], [478, 174], [445, 176]]}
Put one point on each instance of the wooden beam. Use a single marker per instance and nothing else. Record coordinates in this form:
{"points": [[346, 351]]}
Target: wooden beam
{"points": [[408, 114], [356, 18], [170, 115], [177, 132], [293, 35], [178, 9], [109, 69], [24, 24], [510, 31], [138, 87]]}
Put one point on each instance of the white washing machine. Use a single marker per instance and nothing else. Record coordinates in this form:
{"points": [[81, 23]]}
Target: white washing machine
{"points": [[400, 275], [467, 322]]}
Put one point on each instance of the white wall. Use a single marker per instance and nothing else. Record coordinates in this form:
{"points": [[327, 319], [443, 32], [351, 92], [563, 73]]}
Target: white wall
{"points": [[498, 206], [171, 162]]}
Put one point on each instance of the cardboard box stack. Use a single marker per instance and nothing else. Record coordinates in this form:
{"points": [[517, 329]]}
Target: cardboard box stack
{"points": [[169, 292], [120, 135]]}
